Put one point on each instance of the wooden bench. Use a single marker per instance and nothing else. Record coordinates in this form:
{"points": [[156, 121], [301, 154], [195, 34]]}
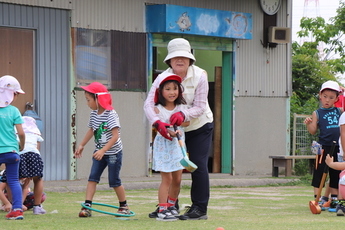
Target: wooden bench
{"points": [[286, 161]]}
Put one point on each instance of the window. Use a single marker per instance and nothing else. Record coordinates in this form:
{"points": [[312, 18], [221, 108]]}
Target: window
{"points": [[114, 58]]}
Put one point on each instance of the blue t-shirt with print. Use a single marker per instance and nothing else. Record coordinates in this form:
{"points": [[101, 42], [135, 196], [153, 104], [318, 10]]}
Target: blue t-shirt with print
{"points": [[328, 122]]}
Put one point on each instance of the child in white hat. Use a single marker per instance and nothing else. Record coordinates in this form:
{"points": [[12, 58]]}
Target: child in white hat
{"points": [[9, 148], [325, 122]]}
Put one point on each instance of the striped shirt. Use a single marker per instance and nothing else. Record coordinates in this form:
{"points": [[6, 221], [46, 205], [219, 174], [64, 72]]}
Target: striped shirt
{"points": [[102, 124]]}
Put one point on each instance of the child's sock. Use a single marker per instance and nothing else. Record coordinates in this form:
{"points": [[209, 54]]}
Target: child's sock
{"points": [[334, 197], [171, 201], [88, 203], [123, 203], [324, 198], [162, 207]]}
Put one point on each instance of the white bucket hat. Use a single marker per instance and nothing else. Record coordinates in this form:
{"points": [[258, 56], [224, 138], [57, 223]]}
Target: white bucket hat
{"points": [[330, 85], [29, 125], [179, 47], [8, 86]]}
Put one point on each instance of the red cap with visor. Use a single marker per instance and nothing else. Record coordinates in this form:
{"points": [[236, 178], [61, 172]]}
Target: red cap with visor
{"points": [[102, 95]]}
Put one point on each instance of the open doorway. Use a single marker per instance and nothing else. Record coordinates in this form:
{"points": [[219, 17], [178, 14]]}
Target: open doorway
{"points": [[17, 59]]}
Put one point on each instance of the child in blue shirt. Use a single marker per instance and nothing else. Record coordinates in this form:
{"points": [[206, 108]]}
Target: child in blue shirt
{"points": [[10, 117], [326, 119]]}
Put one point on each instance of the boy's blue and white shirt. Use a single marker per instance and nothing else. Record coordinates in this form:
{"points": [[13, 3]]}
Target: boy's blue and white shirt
{"points": [[102, 124]]}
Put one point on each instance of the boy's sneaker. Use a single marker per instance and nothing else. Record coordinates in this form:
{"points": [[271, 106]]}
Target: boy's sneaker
{"points": [[173, 210], [333, 206], [124, 210], [340, 208], [324, 205], [165, 215], [84, 212], [15, 215], [38, 210]]}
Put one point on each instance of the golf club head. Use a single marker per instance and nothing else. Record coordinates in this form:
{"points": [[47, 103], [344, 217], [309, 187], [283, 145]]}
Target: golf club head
{"points": [[187, 164], [314, 207]]}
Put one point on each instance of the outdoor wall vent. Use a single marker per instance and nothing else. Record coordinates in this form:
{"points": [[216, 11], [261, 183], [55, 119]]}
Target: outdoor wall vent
{"points": [[279, 34]]}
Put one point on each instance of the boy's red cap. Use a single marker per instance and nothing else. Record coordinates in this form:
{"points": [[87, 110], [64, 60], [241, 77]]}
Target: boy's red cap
{"points": [[102, 94]]}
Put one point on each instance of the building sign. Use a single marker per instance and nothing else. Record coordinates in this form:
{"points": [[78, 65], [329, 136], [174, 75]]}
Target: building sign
{"points": [[198, 21]]}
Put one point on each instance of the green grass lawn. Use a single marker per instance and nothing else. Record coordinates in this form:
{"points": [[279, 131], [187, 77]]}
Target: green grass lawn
{"points": [[276, 207]]}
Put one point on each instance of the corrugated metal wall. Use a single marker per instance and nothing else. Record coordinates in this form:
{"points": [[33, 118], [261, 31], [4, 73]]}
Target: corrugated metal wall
{"points": [[260, 72], [60, 4], [52, 84]]}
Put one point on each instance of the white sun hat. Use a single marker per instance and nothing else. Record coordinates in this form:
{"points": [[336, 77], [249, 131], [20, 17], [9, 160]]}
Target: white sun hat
{"points": [[9, 85], [179, 47]]}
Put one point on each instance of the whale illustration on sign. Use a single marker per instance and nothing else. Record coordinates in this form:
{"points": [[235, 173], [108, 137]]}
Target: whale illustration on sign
{"points": [[184, 22]]}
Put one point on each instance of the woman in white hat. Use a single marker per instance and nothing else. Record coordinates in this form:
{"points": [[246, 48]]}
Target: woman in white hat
{"points": [[199, 133]]}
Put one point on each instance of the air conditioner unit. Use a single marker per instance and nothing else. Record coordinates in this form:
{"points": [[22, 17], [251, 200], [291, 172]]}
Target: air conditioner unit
{"points": [[279, 34]]}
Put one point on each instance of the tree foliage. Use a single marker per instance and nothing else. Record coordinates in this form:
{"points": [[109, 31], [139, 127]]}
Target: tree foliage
{"points": [[319, 59]]}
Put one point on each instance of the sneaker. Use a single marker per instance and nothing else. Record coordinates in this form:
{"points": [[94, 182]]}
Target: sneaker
{"points": [[193, 213], [340, 210], [38, 210], [324, 205], [124, 210], [165, 215], [84, 212], [15, 215], [333, 206], [154, 213], [173, 210]]}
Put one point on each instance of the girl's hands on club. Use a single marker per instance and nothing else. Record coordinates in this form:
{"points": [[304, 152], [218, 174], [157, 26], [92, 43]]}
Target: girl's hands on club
{"points": [[162, 129], [173, 133]]}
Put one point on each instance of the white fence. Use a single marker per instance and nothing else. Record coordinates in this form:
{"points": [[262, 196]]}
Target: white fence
{"points": [[302, 139]]}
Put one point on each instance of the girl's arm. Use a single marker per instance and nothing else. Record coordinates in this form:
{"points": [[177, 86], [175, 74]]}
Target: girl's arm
{"points": [[311, 123], [342, 138], [3, 198], [334, 165], [21, 136], [185, 124], [78, 152]]}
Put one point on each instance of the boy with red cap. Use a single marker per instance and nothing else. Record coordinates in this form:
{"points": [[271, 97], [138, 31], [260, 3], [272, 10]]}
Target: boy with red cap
{"points": [[104, 125]]}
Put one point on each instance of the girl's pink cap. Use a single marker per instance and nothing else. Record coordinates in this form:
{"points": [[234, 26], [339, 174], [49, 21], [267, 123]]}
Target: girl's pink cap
{"points": [[102, 94]]}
